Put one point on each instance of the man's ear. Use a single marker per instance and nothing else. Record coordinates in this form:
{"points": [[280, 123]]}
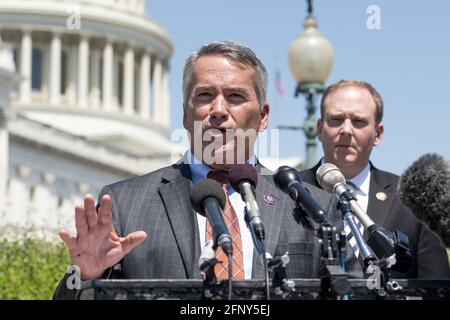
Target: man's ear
{"points": [[184, 116], [264, 117], [319, 127], [379, 133]]}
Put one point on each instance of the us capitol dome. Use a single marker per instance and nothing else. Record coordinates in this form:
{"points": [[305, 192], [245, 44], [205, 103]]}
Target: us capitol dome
{"points": [[84, 102]]}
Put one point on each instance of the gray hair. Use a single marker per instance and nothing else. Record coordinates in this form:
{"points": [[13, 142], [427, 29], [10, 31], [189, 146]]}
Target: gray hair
{"points": [[233, 51]]}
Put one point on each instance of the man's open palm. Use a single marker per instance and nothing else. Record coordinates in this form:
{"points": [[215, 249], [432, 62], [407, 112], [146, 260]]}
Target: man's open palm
{"points": [[96, 246]]}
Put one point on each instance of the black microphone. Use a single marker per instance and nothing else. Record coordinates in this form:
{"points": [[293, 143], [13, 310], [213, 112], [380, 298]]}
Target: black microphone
{"points": [[288, 180], [424, 189], [244, 178], [208, 199]]}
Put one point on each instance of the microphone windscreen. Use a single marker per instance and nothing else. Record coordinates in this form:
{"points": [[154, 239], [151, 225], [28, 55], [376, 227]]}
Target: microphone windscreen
{"points": [[240, 172], [424, 188], [284, 176], [204, 189], [328, 175]]}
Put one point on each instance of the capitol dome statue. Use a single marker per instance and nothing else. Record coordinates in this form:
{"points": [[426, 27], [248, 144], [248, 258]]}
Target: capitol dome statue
{"points": [[90, 104]]}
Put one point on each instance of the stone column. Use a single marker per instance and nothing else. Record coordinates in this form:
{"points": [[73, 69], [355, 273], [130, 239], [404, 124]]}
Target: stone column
{"points": [[107, 76], [128, 81], [144, 82], [4, 160], [95, 79], [83, 72], [165, 96], [25, 67], [71, 91], [156, 92], [55, 69]]}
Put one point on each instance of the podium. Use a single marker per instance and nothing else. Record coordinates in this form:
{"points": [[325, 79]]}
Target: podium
{"points": [[305, 289]]}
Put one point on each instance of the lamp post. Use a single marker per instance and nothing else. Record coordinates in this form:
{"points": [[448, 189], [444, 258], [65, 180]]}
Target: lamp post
{"points": [[310, 58]]}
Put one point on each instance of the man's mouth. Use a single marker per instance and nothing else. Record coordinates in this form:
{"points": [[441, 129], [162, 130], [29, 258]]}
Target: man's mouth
{"points": [[343, 146], [216, 131]]}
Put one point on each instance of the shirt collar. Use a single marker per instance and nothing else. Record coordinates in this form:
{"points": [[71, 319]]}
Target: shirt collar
{"points": [[362, 180], [199, 170]]}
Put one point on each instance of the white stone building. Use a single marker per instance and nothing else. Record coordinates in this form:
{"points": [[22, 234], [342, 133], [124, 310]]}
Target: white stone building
{"points": [[91, 105]]}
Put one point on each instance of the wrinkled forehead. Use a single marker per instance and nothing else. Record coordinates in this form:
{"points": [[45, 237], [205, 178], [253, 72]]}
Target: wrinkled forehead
{"points": [[212, 60], [222, 70], [350, 99]]}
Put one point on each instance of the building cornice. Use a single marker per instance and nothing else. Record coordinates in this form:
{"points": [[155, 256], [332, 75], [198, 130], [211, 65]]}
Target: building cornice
{"points": [[48, 138], [95, 21], [102, 114]]}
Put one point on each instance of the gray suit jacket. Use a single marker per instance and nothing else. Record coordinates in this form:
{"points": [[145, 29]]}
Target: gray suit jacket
{"points": [[159, 204]]}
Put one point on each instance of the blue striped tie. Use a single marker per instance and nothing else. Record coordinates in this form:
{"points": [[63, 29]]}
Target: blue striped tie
{"points": [[348, 233]]}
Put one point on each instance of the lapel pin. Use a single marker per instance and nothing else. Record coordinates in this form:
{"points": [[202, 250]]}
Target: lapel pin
{"points": [[381, 196], [270, 199]]}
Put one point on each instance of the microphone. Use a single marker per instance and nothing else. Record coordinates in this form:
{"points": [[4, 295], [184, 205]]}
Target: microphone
{"points": [[331, 179], [424, 189], [288, 180], [383, 242], [208, 199], [244, 178]]}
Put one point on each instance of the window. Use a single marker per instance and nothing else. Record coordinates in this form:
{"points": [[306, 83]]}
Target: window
{"points": [[120, 84], [63, 72], [100, 84], [36, 71], [16, 58], [137, 84]]}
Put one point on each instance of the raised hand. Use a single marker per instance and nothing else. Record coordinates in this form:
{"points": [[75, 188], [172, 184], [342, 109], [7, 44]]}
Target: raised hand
{"points": [[97, 246]]}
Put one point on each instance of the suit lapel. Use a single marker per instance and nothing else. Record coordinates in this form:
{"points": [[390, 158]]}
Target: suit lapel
{"points": [[175, 193], [380, 197], [269, 207]]}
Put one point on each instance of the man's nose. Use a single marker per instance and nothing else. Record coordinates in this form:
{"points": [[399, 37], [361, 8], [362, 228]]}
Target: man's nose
{"points": [[347, 127], [219, 107]]}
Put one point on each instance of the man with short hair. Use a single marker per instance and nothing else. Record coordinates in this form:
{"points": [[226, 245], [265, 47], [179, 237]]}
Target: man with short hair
{"points": [[145, 227], [349, 127]]}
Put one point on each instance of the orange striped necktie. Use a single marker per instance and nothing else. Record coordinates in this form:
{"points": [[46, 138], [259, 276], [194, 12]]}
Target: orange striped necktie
{"points": [[232, 223]]}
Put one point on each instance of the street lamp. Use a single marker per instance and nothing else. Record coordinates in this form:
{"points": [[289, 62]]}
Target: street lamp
{"points": [[310, 58]]}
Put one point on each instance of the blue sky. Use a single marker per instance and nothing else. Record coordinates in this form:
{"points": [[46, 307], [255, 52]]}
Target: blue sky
{"points": [[407, 61]]}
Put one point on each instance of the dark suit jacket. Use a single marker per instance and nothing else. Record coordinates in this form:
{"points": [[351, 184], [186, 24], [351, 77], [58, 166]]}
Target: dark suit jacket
{"points": [[159, 204], [430, 258]]}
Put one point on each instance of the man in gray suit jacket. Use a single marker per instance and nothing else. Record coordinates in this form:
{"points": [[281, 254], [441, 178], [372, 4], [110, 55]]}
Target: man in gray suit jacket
{"points": [[145, 227]]}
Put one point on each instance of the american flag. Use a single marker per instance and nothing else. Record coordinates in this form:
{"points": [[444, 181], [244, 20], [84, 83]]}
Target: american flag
{"points": [[279, 84]]}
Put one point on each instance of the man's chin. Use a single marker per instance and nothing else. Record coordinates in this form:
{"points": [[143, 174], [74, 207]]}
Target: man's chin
{"points": [[344, 161]]}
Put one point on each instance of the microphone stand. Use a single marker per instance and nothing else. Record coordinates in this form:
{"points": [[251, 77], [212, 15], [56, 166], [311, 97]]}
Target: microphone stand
{"points": [[367, 256], [334, 280], [281, 285], [385, 243], [393, 247], [261, 250], [211, 288], [275, 266], [207, 262]]}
